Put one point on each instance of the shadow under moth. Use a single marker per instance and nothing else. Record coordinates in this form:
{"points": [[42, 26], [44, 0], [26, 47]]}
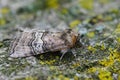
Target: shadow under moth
{"points": [[36, 42]]}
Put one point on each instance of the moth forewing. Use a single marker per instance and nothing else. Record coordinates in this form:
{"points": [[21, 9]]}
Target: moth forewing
{"points": [[21, 46], [37, 42]]}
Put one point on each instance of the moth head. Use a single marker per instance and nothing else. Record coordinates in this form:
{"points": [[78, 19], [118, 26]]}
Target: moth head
{"points": [[71, 36], [75, 38]]}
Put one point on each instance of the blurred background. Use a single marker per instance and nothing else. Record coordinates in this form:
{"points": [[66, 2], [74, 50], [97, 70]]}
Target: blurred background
{"points": [[56, 14], [98, 22]]}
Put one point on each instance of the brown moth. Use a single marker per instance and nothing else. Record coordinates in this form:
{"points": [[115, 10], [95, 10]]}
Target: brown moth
{"points": [[37, 42]]}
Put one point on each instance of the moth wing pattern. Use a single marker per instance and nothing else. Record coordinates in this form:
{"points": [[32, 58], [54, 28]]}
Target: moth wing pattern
{"points": [[38, 42], [21, 46]]}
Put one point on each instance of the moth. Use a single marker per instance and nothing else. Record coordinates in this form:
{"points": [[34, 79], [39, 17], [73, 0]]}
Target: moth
{"points": [[36, 42]]}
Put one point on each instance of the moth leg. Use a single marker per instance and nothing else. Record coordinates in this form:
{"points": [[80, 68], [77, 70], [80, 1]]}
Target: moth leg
{"points": [[74, 52], [63, 53]]}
